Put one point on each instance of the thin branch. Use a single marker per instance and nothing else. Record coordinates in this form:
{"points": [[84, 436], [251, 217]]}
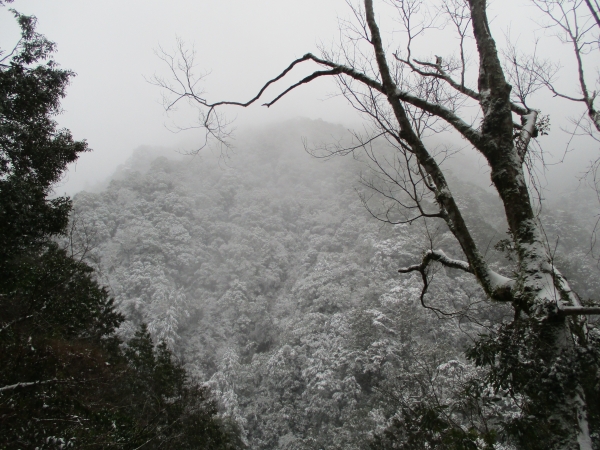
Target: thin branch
{"points": [[20, 319], [305, 80], [579, 310], [31, 383], [336, 70], [470, 133], [593, 11]]}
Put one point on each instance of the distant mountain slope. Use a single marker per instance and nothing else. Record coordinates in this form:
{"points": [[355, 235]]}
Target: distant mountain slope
{"points": [[265, 272]]}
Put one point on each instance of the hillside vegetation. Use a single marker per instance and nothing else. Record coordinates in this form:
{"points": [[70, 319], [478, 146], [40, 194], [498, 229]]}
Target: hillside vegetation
{"points": [[264, 271]]}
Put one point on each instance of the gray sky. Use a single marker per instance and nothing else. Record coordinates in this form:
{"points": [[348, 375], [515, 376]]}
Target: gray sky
{"points": [[110, 45]]}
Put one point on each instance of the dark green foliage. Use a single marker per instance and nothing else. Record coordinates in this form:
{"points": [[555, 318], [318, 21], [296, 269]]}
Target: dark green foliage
{"points": [[520, 359], [168, 410], [54, 319], [65, 382], [427, 426], [52, 294], [57, 340], [33, 151]]}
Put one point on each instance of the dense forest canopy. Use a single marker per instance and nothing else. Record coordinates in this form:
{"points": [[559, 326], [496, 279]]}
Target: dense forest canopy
{"points": [[267, 274]]}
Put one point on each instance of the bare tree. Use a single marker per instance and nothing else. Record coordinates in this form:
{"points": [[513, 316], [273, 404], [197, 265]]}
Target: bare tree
{"points": [[407, 99], [575, 23]]}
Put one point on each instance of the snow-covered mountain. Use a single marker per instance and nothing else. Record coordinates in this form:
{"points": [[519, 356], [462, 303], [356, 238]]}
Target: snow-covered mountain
{"points": [[264, 271]]}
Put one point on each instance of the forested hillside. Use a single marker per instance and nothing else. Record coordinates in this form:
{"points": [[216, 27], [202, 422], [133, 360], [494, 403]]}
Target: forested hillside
{"points": [[264, 271]]}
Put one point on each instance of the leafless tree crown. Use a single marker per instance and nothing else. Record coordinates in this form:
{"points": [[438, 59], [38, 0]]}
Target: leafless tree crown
{"points": [[408, 98]]}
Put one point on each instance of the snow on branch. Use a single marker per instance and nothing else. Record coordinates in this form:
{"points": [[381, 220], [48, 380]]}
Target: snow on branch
{"points": [[439, 256], [527, 132], [497, 286], [573, 306], [11, 387], [10, 324]]}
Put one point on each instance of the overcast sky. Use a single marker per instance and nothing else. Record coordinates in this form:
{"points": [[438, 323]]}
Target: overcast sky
{"points": [[110, 45]]}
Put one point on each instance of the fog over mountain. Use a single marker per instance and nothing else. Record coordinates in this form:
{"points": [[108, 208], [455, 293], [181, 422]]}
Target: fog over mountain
{"points": [[111, 45], [265, 272]]}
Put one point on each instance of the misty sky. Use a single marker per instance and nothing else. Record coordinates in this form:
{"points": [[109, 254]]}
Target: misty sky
{"points": [[110, 45]]}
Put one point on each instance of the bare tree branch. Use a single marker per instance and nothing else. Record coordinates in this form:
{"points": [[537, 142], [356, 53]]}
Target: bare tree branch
{"points": [[579, 310]]}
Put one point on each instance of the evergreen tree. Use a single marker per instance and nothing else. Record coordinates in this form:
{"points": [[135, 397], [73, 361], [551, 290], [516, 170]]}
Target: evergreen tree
{"points": [[169, 411], [64, 380]]}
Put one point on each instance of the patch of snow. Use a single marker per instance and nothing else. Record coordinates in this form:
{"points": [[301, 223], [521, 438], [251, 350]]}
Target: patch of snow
{"points": [[499, 281]]}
